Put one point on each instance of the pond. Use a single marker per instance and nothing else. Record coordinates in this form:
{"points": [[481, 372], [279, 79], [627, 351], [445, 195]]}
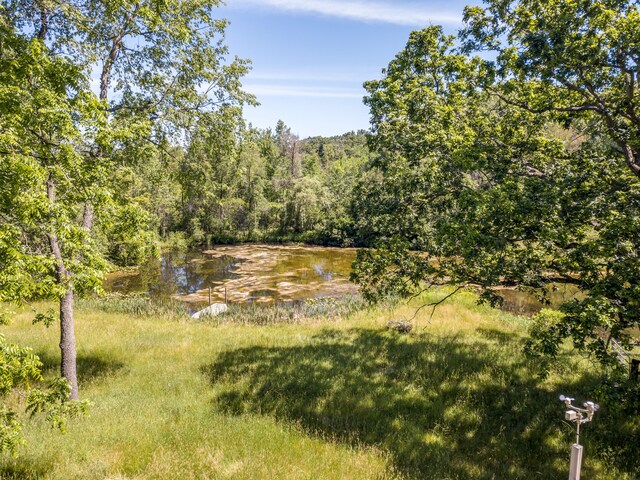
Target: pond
{"points": [[242, 273], [265, 274], [524, 303]]}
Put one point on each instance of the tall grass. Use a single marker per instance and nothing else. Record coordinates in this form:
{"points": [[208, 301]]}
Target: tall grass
{"points": [[325, 309], [137, 305], [247, 397]]}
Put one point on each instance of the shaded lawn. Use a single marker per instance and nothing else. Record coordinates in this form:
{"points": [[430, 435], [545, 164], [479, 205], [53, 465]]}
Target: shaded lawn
{"points": [[449, 406], [90, 368], [151, 416]]}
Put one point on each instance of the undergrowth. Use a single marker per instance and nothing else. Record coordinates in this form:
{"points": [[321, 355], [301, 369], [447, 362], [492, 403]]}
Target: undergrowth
{"points": [[138, 305], [326, 309]]}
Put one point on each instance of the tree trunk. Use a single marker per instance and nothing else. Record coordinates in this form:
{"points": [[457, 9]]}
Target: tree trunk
{"points": [[633, 159], [87, 215], [68, 343], [67, 328], [44, 23], [105, 76]]}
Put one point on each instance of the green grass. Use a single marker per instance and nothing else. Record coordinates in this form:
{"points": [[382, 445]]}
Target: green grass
{"points": [[343, 398], [137, 305]]}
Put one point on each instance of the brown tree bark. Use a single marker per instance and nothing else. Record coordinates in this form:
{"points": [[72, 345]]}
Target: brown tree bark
{"points": [[113, 54], [87, 216], [68, 343], [67, 327], [633, 160]]}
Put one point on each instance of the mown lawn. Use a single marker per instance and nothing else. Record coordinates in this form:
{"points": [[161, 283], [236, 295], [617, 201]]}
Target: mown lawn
{"points": [[339, 399]]}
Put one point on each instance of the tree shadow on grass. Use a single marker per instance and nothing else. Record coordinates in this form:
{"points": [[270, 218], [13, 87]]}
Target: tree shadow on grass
{"points": [[443, 407], [21, 469], [89, 368], [496, 335]]}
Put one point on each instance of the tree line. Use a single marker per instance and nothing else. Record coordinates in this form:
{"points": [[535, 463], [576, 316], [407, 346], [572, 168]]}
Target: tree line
{"points": [[247, 184]]}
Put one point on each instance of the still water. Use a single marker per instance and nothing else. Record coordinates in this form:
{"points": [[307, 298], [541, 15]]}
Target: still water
{"points": [[244, 273], [263, 274]]}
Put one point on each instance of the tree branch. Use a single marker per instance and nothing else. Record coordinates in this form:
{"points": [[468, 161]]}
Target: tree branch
{"points": [[435, 304]]}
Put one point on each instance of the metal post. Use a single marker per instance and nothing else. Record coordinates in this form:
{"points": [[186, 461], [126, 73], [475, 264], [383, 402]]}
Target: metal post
{"points": [[209, 295], [578, 416], [225, 295], [576, 462]]}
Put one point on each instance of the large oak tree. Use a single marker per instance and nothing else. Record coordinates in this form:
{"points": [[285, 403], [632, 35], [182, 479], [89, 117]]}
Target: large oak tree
{"points": [[518, 170]]}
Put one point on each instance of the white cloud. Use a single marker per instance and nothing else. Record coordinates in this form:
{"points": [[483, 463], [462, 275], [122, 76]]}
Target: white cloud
{"points": [[300, 91], [396, 13], [293, 76]]}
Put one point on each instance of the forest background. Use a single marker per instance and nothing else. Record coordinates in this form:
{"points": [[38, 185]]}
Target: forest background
{"points": [[251, 185]]}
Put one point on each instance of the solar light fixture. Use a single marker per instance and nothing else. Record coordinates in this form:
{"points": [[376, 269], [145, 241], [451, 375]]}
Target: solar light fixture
{"points": [[578, 416]]}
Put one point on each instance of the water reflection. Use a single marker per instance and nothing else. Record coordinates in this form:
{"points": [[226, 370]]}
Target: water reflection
{"points": [[174, 273], [244, 273], [271, 273]]}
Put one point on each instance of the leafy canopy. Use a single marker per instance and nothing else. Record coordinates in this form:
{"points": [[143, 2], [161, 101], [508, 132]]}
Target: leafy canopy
{"points": [[518, 171]]}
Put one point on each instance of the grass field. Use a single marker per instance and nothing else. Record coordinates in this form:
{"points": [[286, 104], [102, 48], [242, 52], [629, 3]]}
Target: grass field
{"points": [[343, 398]]}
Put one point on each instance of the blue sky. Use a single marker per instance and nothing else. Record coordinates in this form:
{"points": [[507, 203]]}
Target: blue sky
{"points": [[310, 57]]}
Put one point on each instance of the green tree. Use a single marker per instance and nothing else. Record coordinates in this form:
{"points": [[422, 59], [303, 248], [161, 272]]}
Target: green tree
{"points": [[66, 151], [252, 179], [578, 59], [209, 177], [19, 373], [472, 187], [47, 119], [345, 158], [37, 145]]}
